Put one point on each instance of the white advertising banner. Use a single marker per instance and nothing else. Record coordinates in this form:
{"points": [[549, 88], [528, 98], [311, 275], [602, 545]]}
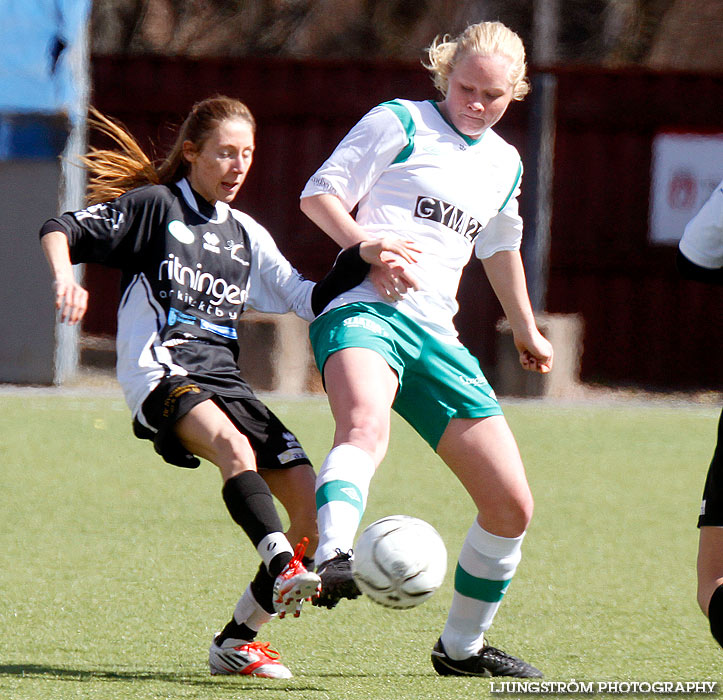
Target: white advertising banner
{"points": [[685, 170]]}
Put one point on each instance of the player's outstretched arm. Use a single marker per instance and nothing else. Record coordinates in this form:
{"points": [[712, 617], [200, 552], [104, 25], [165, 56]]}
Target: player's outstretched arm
{"points": [[352, 266], [71, 299], [329, 214], [389, 260], [507, 277]]}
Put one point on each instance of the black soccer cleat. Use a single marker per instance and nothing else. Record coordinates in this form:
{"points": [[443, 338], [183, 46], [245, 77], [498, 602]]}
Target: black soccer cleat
{"points": [[337, 581], [488, 662]]}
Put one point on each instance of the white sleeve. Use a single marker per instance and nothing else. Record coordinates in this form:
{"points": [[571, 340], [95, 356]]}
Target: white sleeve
{"points": [[702, 241], [504, 230], [274, 285], [359, 159]]}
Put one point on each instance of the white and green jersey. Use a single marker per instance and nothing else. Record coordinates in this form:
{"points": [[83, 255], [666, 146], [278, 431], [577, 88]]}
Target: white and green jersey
{"points": [[412, 174], [702, 241]]}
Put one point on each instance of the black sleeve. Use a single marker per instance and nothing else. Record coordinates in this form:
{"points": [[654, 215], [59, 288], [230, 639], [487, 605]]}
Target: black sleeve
{"points": [[54, 225], [112, 233], [690, 271], [349, 270]]}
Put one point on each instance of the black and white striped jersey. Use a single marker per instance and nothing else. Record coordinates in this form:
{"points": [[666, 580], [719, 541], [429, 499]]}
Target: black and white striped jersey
{"points": [[188, 271]]}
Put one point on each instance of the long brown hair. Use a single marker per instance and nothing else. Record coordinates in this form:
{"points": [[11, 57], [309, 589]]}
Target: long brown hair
{"points": [[115, 171]]}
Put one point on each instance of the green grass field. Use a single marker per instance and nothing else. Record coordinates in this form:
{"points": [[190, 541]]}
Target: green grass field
{"points": [[117, 569]]}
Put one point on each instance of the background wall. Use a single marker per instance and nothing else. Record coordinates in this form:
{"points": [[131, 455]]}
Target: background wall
{"points": [[643, 325]]}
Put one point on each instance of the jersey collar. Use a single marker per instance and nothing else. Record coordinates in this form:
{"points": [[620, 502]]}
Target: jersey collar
{"points": [[216, 214], [467, 139]]}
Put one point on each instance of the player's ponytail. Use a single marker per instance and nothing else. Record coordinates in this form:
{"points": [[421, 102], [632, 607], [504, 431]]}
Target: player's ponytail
{"points": [[113, 172]]}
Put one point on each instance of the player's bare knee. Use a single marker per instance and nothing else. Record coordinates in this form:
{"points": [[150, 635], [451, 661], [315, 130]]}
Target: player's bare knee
{"points": [[369, 434], [507, 518], [707, 586], [518, 521], [526, 510], [233, 454]]}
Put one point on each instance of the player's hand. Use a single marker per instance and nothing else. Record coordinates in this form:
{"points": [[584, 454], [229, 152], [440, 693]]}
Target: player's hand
{"points": [[71, 300], [388, 251], [536, 353], [390, 258]]}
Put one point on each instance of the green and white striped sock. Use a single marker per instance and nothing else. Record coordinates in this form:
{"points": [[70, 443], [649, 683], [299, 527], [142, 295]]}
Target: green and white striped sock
{"points": [[485, 568], [342, 487]]}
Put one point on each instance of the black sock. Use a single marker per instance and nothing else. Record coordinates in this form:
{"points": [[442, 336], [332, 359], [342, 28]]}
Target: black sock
{"points": [[263, 589], [263, 583], [234, 630], [715, 614], [251, 505], [277, 564]]}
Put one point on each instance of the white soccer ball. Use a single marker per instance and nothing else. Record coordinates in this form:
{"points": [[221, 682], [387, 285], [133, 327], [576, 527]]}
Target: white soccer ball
{"points": [[399, 561]]}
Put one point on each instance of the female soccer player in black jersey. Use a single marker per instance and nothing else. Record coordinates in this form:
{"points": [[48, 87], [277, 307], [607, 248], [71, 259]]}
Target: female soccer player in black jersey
{"points": [[700, 258], [190, 265]]}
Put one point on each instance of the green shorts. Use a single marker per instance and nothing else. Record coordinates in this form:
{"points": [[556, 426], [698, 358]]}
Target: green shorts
{"points": [[437, 381]]}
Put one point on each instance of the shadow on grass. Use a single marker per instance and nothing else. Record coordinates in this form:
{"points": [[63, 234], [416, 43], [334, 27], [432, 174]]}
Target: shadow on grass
{"points": [[38, 671]]}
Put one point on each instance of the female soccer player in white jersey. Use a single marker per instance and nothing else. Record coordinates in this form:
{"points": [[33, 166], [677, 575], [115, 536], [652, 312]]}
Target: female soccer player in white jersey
{"points": [[437, 174], [190, 265]]}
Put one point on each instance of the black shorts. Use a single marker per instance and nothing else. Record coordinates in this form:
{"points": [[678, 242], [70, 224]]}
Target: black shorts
{"points": [[711, 510], [275, 446]]}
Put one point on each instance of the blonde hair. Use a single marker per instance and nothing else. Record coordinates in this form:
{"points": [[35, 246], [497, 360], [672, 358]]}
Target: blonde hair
{"points": [[483, 39], [113, 172]]}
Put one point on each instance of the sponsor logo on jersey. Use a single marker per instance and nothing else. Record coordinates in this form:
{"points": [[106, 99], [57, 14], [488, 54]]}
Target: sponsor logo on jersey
{"points": [[234, 248], [448, 215], [324, 184], [367, 323], [211, 242], [175, 316], [181, 232], [225, 331], [218, 289], [102, 212]]}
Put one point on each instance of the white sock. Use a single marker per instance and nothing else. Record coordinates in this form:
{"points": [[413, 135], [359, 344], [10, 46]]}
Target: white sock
{"points": [[486, 565], [272, 545], [248, 612], [342, 487]]}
